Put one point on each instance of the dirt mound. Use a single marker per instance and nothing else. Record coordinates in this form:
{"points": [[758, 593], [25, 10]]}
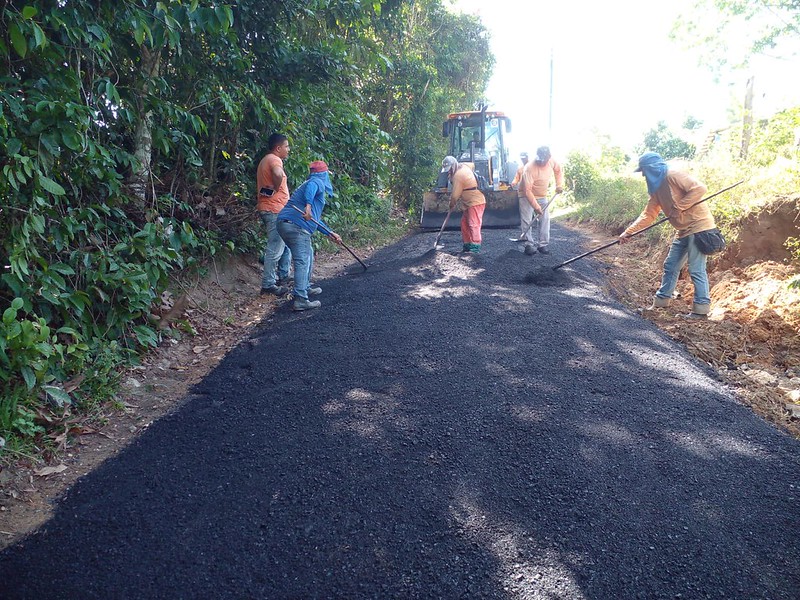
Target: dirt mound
{"points": [[761, 236]]}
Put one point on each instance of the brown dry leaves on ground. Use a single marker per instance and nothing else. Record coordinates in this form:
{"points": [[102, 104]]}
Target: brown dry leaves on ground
{"points": [[752, 337]]}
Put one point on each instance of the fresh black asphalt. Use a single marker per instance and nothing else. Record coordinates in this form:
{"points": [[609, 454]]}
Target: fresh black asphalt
{"points": [[439, 429]]}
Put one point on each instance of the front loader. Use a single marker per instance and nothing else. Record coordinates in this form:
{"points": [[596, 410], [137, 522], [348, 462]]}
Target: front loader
{"points": [[477, 137]]}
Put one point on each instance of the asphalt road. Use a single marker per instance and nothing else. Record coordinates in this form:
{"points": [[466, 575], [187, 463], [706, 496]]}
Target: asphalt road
{"points": [[439, 429]]}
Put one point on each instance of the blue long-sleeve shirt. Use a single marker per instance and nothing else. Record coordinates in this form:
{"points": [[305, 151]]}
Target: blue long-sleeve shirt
{"points": [[312, 192]]}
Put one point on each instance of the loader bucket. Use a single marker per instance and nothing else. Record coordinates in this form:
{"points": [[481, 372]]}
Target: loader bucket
{"points": [[502, 210]]}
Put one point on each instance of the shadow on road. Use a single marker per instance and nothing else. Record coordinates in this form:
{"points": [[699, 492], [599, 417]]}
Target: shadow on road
{"points": [[438, 429]]}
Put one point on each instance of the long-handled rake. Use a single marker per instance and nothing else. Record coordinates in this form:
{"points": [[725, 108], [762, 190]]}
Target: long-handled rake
{"points": [[441, 229], [659, 222], [345, 246]]}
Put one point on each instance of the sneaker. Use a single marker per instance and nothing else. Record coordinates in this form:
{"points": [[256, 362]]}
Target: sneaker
{"points": [[314, 290], [543, 250], [305, 304], [275, 290]]}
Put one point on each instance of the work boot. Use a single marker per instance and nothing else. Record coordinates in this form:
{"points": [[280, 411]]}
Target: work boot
{"points": [[699, 312], [275, 290], [530, 249], [658, 303], [543, 250], [305, 304], [314, 290]]}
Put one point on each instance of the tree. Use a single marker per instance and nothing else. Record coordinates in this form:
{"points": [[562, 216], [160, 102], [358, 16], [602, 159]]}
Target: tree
{"points": [[731, 32], [666, 143]]}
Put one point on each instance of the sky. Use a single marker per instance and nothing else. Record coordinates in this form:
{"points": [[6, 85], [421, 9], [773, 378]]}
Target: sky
{"points": [[615, 71]]}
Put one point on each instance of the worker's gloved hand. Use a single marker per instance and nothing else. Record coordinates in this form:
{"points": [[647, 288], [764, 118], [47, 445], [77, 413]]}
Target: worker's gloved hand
{"points": [[624, 239], [559, 190]]}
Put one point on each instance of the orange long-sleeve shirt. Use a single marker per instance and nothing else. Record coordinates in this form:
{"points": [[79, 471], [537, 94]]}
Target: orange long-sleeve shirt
{"points": [[463, 180], [537, 178], [684, 190]]}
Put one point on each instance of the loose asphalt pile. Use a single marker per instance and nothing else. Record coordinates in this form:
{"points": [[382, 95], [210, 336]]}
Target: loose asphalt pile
{"points": [[440, 428]]}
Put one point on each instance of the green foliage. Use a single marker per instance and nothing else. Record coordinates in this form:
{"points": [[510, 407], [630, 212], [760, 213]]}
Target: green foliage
{"points": [[666, 143], [440, 63], [776, 138], [731, 32], [615, 202], [582, 175]]}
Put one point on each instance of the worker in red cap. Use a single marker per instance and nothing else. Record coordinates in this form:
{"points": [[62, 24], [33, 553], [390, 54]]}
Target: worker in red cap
{"points": [[297, 222]]}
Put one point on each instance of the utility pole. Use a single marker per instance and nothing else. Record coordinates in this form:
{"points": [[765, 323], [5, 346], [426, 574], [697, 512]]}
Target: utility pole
{"points": [[550, 121], [747, 121]]}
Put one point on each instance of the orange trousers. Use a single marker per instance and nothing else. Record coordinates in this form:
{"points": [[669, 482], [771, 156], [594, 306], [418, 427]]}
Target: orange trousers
{"points": [[471, 221]]}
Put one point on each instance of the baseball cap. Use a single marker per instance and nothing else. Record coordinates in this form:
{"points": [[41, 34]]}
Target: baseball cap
{"points": [[448, 163]]}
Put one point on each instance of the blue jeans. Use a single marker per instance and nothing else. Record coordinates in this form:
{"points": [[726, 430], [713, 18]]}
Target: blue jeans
{"points": [[276, 254], [299, 242], [681, 251]]}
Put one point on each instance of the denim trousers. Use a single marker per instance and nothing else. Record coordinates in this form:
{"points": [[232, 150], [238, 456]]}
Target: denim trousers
{"points": [[299, 242], [276, 254], [681, 251]]}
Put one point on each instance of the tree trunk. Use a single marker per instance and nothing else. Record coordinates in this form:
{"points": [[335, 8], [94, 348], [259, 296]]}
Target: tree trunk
{"points": [[143, 135]]}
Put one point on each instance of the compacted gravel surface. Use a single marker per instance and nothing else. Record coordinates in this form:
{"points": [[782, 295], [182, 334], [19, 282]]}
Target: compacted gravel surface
{"points": [[441, 428]]}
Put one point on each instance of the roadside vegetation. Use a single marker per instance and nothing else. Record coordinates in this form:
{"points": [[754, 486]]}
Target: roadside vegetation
{"points": [[131, 134]]}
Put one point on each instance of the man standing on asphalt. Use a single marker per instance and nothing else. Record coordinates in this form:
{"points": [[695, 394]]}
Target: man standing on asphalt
{"points": [[273, 194], [297, 222], [525, 209], [674, 193], [465, 188], [537, 176]]}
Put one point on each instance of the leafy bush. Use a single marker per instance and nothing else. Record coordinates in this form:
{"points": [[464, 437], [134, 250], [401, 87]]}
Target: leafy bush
{"points": [[615, 203], [581, 175]]}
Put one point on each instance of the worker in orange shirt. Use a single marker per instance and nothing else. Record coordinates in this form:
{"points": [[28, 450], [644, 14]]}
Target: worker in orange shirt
{"points": [[273, 194], [465, 188], [537, 177]]}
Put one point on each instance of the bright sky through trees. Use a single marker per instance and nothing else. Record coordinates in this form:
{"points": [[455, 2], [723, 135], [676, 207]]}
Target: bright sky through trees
{"points": [[616, 72]]}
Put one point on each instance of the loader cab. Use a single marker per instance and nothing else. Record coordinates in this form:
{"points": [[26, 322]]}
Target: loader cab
{"points": [[479, 137]]}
